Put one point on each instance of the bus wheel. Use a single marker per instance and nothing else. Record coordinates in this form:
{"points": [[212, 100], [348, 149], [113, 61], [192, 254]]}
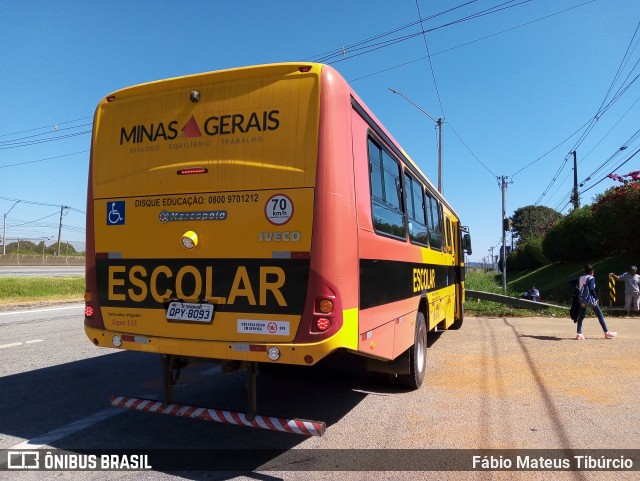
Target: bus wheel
{"points": [[417, 356]]}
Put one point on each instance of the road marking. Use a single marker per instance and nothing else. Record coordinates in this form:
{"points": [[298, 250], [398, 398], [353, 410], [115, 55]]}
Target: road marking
{"points": [[63, 432], [15, 344], [69, 429], [33, 311]]}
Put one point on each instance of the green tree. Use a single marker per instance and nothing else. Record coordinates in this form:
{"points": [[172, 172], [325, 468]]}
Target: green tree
{"points": [[528, 255], [533, 221], [22, 247], [25, 247], [615, 215], [574, 238]]}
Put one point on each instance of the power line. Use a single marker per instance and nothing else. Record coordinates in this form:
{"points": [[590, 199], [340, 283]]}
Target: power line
{"points": [[13, 141], [471, 42], [426, 46], [347, 48], [363, 47], [36, 220], [45, 127], [42, 160], [32, 202], [470, 151], [600, 112], [616, 168], [43, 141]]}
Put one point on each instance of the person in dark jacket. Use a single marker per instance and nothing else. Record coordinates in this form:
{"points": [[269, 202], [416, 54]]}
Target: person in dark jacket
{"points": [[574, 311], [590, 281]]}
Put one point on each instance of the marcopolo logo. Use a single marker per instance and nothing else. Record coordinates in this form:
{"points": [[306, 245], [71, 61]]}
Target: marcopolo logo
{"points": [[215, 125], [166, 216]]}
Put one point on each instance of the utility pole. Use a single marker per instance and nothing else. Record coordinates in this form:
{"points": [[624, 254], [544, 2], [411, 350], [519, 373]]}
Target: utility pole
{"points": [[4, 229], [576, 199], [440, 155], [62, 208], [504, 233]]}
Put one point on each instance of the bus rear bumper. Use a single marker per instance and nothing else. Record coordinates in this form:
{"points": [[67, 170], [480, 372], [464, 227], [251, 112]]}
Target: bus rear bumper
{"points": [[289, 353]]}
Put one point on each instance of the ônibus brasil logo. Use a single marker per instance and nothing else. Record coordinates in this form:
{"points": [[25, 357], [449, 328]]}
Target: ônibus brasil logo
{"points": [[229, 124]]}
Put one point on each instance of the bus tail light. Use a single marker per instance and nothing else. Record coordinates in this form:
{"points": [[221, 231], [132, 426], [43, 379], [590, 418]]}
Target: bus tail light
{"points": [[322, 324], [88, 308], [325, 306], [322, 316]]}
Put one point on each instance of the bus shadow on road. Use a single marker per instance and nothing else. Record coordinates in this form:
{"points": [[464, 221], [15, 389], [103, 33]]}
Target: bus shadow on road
{"points": [[49, 400]]}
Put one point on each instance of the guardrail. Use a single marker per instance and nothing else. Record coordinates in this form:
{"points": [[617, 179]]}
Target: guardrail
{"points": [[512, 301], [46, 260]]}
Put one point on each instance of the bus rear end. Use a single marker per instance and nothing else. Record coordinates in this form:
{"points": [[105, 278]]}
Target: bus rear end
{"points": [[200, 217]]}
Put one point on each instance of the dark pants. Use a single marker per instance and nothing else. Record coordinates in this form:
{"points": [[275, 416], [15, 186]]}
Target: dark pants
{"points": [[599, 315]]}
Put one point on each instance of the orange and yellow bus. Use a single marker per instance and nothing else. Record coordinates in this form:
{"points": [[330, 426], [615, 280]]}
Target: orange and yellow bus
{"points": [[264, 215]]}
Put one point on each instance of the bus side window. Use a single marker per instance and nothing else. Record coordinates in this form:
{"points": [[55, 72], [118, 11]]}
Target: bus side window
{"points": [[434, 220], [386, 192], [415, 211]]}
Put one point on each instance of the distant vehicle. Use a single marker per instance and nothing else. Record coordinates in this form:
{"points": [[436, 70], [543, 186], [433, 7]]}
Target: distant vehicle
{"points": [[264, 215]]}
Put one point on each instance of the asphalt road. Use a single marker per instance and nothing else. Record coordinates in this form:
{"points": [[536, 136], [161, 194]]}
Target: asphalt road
{"points": [[494, 384], [44, 271]]}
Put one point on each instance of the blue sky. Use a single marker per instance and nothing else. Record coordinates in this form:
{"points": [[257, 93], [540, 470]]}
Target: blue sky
{"points": [[514, 86]]}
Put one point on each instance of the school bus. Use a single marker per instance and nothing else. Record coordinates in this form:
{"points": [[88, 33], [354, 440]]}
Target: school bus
{"points": [[264, 215]]}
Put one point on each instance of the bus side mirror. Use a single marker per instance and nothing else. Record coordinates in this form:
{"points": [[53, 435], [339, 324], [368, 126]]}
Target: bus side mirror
{"points": [[466, 243]]}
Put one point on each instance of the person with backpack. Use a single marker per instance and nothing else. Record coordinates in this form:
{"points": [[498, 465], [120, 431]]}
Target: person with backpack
{"points": [[589, 298]]}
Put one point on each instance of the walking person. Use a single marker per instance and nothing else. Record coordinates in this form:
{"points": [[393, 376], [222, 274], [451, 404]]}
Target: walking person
{"points": [[631, 288], [591, 300]]}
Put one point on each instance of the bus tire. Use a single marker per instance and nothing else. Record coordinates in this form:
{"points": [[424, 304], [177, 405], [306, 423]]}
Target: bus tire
{"points": [[417, 356]]}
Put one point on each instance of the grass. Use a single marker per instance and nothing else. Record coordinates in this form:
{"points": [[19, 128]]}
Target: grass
{"points": [[27, 289], [488, 282], [553, 280]]}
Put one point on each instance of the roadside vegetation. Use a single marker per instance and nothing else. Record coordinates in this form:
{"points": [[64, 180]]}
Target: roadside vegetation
{"points": [[551, 249], [553, 281], [28, 248], [478, 280], [600, 230], [38, 289]]}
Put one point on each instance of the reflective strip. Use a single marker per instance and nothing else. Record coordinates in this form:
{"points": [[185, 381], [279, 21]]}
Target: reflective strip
{"points": [[299, 426]]}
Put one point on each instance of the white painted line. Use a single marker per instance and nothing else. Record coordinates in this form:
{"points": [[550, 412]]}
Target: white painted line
{"points": [[63, 432], [34, 341], [14, 344], [48, 309]]}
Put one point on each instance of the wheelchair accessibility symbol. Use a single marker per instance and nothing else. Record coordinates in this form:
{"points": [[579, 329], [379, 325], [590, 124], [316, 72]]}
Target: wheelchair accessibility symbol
{"points": [[115, 212]]}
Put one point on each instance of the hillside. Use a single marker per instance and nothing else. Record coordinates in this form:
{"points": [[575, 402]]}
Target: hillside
{"points": [[553, 280]]}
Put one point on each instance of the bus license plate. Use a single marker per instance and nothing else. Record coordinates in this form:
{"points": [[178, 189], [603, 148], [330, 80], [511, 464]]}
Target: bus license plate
{"points": [[189, 312]]}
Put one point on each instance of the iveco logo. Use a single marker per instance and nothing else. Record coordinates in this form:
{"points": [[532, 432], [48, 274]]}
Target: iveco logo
{"points": [[285, 236]]}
